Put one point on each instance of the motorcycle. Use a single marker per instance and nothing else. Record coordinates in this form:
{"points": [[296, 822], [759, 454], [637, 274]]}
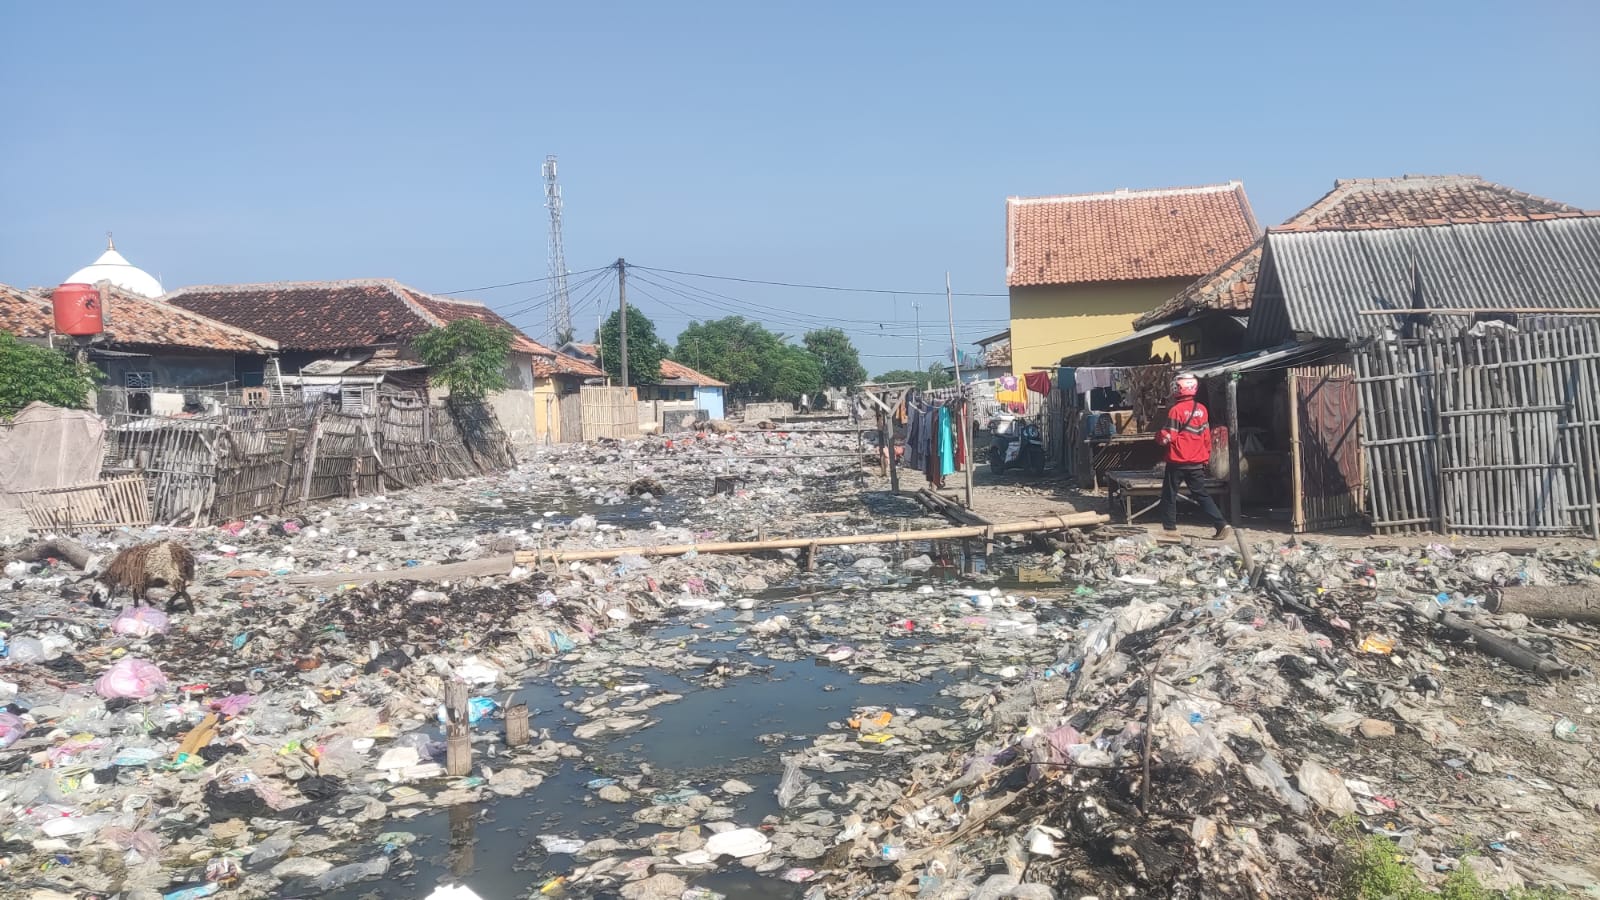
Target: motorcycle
{"points": [[1017, 442]]}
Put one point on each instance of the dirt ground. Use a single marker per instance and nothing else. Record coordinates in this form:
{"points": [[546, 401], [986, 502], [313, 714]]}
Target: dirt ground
{"points": [[1018, 495]]}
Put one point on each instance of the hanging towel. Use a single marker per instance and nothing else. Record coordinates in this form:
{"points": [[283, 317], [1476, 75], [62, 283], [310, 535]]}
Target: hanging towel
{"points": [[1038, 382]]}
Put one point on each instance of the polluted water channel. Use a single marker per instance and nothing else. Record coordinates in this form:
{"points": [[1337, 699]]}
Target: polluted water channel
{"points": [[732, 717], [723, 729]]}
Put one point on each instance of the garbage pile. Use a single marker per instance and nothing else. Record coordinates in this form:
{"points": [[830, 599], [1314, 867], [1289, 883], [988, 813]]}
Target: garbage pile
{"points": [[251, 746], [1137, 719], [1200, 737]]}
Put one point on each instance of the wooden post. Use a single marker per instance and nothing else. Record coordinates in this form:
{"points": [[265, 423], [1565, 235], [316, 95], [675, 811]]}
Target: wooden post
{"points": [[894, 466], [517, 725], [1589, 450], [1235, 452], [457, 750], [458, 736], [811, 558], [1299, 517]]}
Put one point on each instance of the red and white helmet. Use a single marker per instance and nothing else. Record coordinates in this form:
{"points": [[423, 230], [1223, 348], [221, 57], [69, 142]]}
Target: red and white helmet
{"points": [[1185, 385]]}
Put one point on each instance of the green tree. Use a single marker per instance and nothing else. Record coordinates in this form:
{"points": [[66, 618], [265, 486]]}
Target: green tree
{"points": [[936, 376], [468, 357], [793, 371], [756, 363], [29, 372], [645, 350], [841, 364]]}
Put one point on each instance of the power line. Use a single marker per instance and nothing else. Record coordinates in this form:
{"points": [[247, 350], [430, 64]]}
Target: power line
{"points": [[744, 307], [779, 310], [814, 287], [490, 287]]}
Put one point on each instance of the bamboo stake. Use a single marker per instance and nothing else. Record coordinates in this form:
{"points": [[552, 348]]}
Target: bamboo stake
{"points": [[1048, 523], [517, 725], [1296, 456]]}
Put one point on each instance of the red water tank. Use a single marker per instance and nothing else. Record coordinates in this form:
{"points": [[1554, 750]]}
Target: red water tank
{"points": [[77, 308]]}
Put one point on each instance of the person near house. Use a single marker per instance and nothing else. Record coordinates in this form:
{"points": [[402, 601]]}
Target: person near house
{"points": [[805, 404], [1187, 437]]}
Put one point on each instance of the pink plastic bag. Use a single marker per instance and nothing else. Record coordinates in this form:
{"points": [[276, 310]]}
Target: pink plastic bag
{"points": [[140, 621], [132, 678], [12, 728]]}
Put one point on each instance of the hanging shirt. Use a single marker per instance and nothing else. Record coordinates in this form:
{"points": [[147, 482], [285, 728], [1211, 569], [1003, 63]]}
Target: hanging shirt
{"points": [[947, 449]]}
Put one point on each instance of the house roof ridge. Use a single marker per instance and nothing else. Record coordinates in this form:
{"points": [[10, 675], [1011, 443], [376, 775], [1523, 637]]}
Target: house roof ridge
{"points": [[243, 287], [1130, 193]]}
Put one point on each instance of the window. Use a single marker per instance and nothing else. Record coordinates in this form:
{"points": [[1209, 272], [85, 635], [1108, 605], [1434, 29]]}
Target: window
{"points": [[139, 385]]}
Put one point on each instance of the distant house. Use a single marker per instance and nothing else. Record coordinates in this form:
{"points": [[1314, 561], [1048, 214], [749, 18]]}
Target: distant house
{"points": [[353, 339], [156, 357], [1081, 268], [996, 354], [678, 382]]}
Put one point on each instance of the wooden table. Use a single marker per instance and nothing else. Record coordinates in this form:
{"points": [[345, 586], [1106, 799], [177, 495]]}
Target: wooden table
{"points": [[1124, 488]]}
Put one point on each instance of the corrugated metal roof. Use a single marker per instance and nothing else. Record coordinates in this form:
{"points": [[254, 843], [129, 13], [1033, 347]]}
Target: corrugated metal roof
{"points": [[1313, 283], [1280, 357]]}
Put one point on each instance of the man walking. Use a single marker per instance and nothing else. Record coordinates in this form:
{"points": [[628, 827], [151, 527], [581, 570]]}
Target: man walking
{"points": [[1187, 438]]}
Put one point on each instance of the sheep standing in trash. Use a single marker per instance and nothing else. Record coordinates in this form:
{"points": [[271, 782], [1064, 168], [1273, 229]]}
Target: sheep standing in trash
{"points": [[166, 564]]}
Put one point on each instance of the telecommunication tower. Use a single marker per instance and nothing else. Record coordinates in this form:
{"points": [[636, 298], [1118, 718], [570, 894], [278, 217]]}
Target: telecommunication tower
{"points": [[560, 310]]}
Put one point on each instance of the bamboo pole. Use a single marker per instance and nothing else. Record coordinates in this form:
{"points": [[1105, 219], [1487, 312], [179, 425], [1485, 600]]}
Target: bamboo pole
{"points": [[1048, 523], [1297, 522]]}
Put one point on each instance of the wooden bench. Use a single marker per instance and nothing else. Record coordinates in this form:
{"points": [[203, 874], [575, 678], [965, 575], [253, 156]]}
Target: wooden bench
{"points": [[1126, 488]]}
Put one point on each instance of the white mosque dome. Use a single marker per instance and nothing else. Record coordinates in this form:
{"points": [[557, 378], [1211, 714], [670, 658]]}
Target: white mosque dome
{"points": [[112, 267]]}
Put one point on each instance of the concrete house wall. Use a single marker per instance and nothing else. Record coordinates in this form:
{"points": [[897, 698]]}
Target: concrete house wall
{"points": [[1052, 321]]}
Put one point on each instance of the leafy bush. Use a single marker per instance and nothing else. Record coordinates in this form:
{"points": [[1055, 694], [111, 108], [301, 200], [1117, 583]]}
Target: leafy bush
{"points": [[29, 372], [468, 357]]}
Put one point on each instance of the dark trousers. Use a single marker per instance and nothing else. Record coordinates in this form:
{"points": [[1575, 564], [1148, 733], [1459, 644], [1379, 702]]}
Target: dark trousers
{"points": [[1194, 475]]}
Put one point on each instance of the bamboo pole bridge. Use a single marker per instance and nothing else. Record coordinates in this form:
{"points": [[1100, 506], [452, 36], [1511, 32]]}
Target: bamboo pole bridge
{"points": [[501, 565]]}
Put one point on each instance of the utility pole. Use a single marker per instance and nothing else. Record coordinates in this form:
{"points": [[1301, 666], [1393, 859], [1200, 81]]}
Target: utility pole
{"points": [[966, 405], [917, 309], [622, 316]]}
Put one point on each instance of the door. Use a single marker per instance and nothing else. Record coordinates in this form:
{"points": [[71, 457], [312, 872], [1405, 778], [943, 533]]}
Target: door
{"points": [[1325, 408]]}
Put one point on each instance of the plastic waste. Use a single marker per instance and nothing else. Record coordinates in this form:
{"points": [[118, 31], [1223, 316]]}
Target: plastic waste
{"points": [[557, 844], [24, 650], [739, 843], [130, 678], [12, 728], [191, 893], [339, 876], [140, 621]]}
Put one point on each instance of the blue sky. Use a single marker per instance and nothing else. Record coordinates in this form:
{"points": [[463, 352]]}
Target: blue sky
{"points": [[863, 145]]}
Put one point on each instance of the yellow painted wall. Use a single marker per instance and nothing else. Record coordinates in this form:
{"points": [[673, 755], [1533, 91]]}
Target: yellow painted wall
{"points": [[1050, 322], [546, 415]]}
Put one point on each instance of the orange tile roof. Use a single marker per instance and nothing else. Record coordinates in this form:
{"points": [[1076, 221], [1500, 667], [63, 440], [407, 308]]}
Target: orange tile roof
{"points": [[1125, 235], [131, 321], [1408, 201], [676, 371], [337, 315], [551, 363]]}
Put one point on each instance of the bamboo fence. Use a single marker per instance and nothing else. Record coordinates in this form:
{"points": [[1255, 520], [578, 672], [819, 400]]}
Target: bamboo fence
{"points": [[1488, 433], [268, 460]]}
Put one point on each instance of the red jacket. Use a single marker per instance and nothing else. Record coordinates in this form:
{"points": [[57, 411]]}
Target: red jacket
{"points": [[1188, 433]]}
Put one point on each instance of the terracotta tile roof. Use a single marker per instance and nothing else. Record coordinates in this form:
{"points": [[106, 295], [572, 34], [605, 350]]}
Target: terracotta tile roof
{"points": [[1125, 235], [447, 311], [676, 371], [131, 321], [551, 363], [336, 315], [1409, 201], [998, 354], [1419, 200]]}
